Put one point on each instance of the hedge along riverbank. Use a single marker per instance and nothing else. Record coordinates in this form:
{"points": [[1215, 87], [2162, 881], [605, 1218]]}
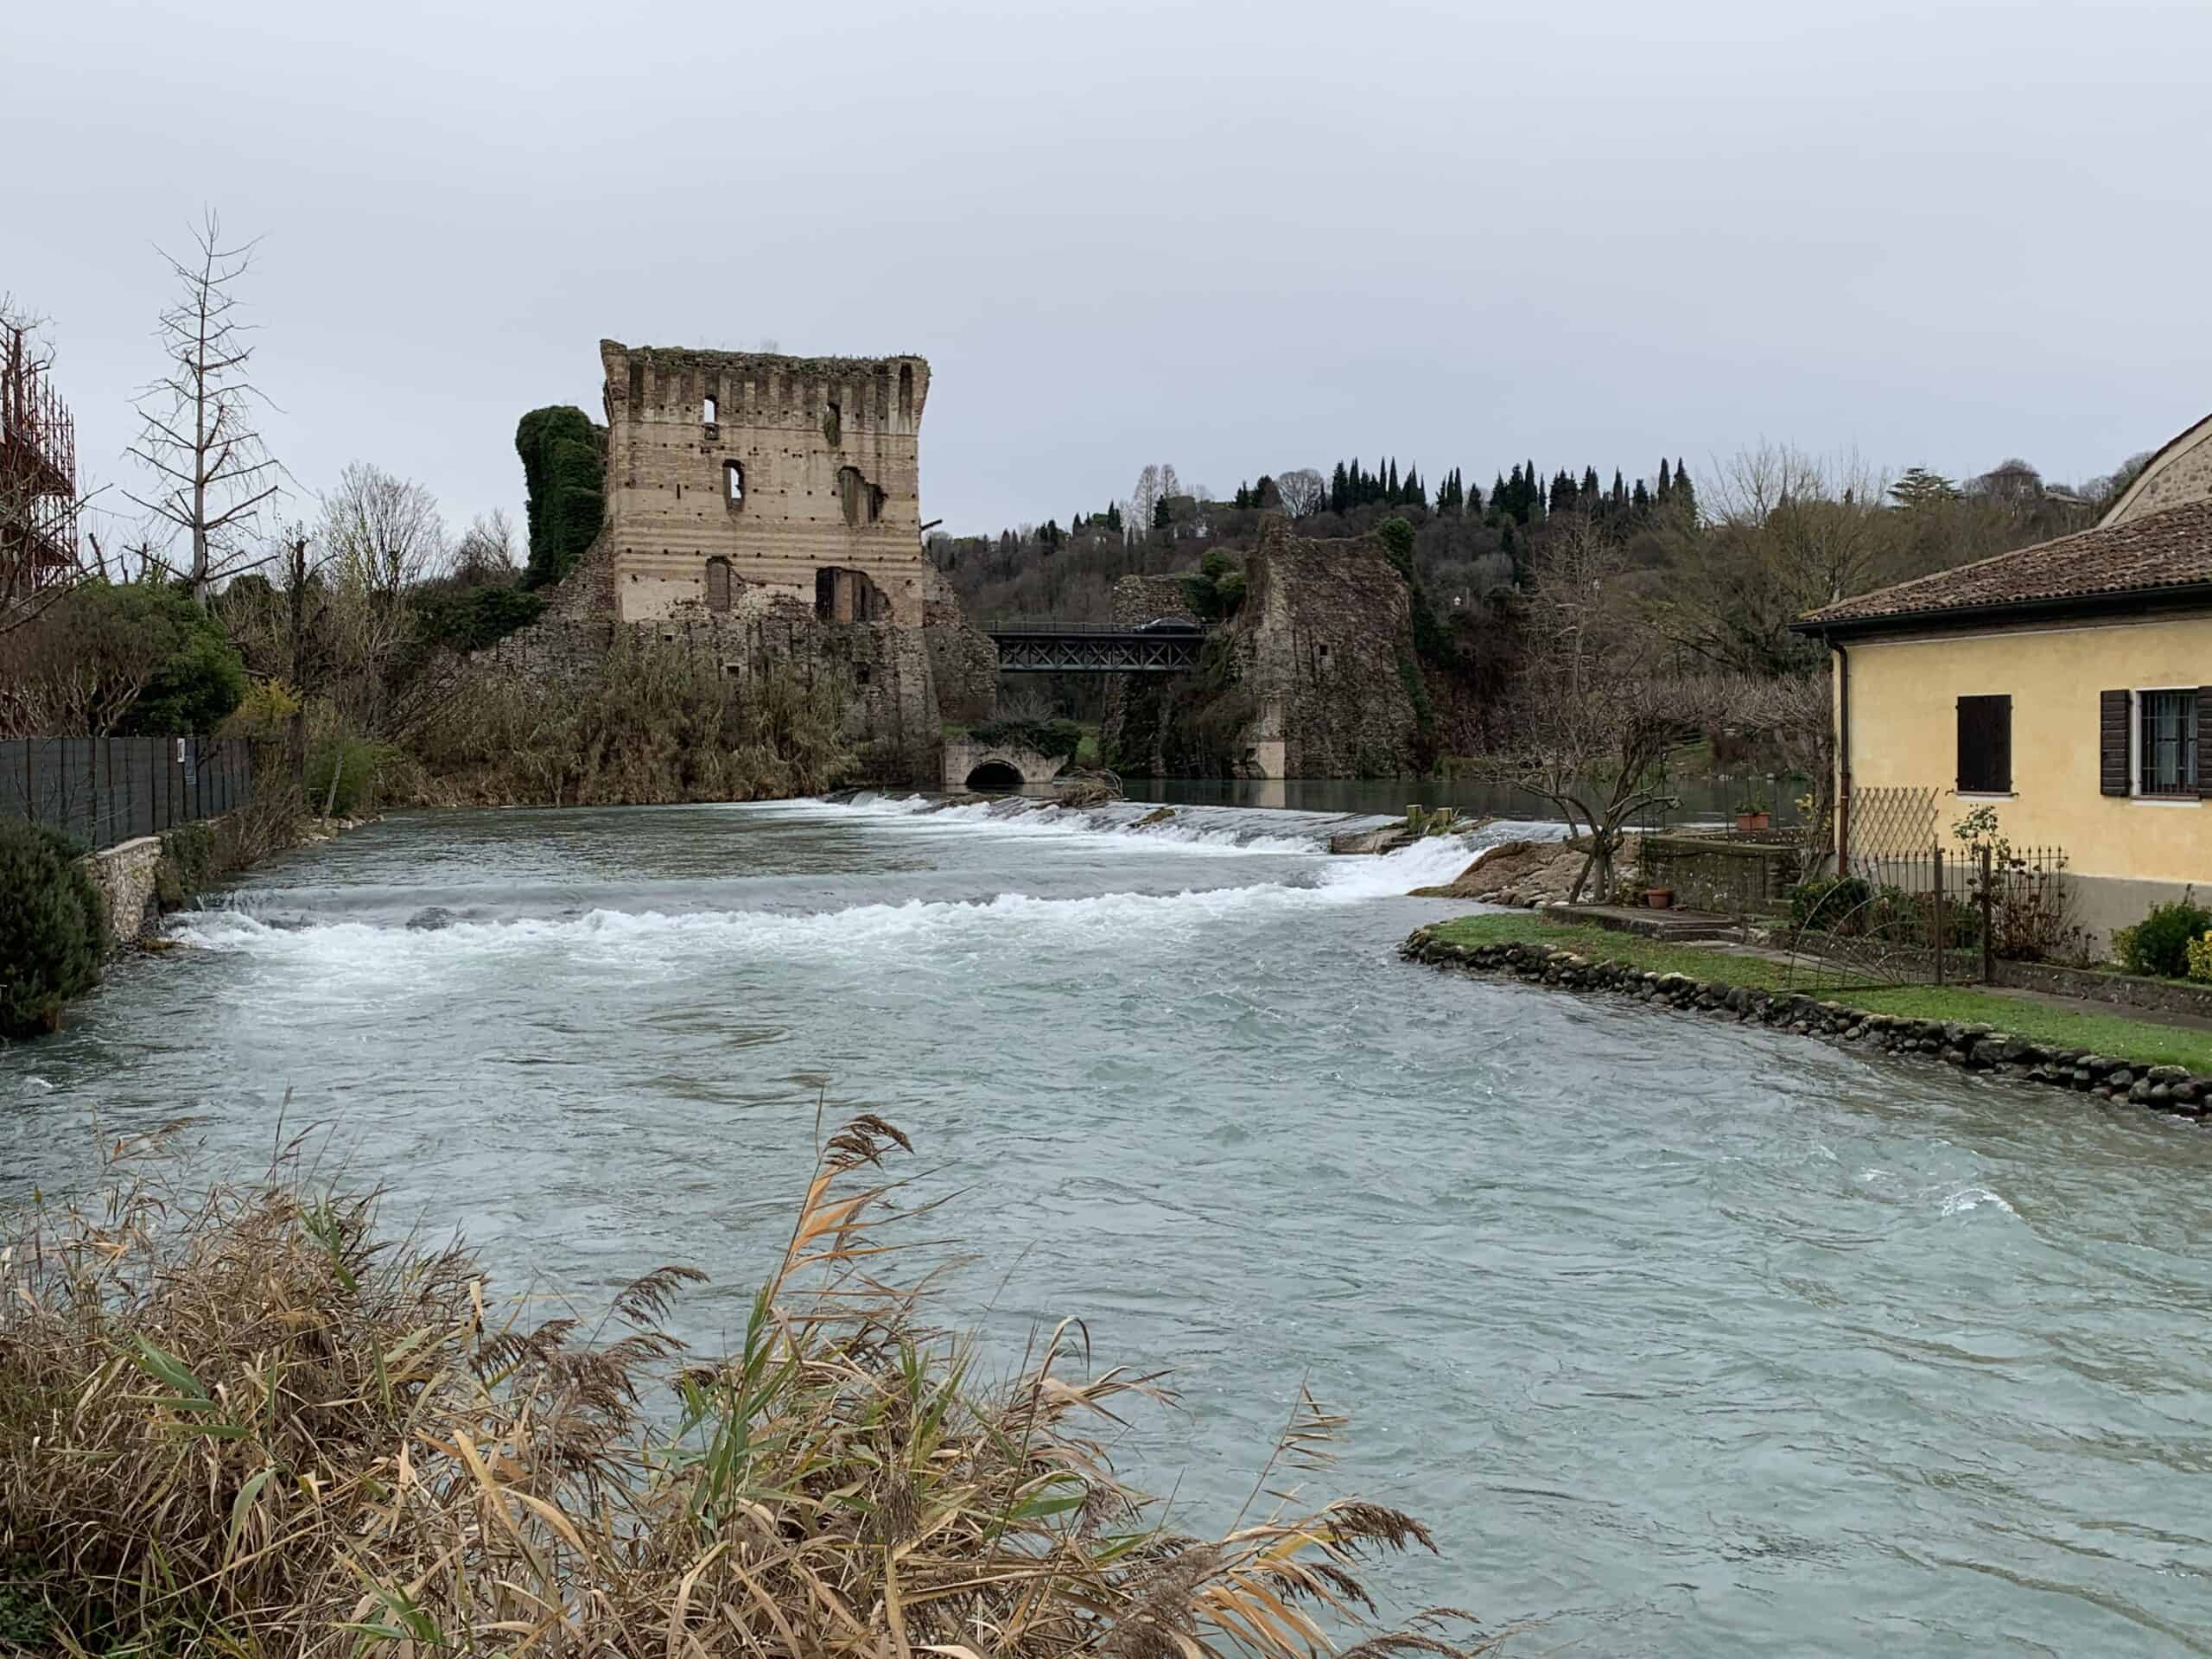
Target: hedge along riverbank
{"points": [[2147, 1079]]}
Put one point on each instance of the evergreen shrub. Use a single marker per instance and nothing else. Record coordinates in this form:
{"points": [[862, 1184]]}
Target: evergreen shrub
{"points": [[2159, 943], [52, 927]]}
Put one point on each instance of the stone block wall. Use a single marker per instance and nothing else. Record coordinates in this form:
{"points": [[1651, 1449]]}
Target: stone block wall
{"points": [[965, 757], [732, 471], [1734, 878], [128, 877]]}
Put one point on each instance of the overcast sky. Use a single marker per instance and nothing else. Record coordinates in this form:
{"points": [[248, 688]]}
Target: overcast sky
{"points": [[1239, 237]]}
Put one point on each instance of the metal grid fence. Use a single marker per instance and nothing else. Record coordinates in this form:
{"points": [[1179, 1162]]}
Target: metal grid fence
{"points": [[105, 790]]}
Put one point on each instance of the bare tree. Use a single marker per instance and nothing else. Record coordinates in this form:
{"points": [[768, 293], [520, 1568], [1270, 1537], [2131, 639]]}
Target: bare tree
{"points": [[383, 533], [211, 473], [1596, 709], [1785, 533], [1136, 517], [1796, 714], [1303, 490], [379, 536], [487, 549], [79, 668]]}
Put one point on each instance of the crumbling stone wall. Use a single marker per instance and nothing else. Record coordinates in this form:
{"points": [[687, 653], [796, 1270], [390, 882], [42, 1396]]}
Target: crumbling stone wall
{"points": [[813, 561], [961, 656], [1326, 648], [1313, 677], [781, 467]]}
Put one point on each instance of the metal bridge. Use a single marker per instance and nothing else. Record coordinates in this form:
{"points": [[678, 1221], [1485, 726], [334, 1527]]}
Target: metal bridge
{"points": [[1043, 647]]}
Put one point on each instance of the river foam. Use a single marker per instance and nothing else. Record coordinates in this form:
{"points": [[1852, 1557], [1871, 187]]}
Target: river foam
{"points": [[1295, 878]]}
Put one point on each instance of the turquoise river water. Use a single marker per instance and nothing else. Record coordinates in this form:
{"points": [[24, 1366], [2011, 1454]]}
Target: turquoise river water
{"points": [[1686, 1338]]}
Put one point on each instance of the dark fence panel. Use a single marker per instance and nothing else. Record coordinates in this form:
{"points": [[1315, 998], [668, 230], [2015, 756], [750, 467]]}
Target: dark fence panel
{"points": [[105, 790]]}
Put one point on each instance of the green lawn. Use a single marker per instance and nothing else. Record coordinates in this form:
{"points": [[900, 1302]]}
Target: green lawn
{"points": [[2113, 1034]]}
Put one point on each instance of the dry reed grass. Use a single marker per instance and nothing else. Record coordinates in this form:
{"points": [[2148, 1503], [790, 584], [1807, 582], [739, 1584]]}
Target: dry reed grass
{"points": [[241, 1422]]}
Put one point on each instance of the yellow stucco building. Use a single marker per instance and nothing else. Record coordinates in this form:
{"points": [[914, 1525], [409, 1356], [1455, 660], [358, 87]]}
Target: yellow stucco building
{"points": [[2061, 683]]}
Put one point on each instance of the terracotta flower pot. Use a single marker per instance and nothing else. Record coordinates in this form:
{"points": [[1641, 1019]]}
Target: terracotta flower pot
{"points": [[1659, 897], [1749, 822]]}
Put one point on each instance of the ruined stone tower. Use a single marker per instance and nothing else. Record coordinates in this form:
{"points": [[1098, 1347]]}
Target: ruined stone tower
{"points": [[738, 475]]}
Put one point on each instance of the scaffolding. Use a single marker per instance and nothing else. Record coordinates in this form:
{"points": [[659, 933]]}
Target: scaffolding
{"points": [[38, 470]]}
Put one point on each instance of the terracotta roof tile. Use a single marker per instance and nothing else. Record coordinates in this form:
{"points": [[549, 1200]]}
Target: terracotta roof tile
{"points": [[2160, 551]]}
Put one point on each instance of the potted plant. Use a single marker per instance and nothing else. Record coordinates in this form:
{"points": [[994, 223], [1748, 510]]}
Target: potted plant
{"points": [[1752, 815], [1659, 897]]}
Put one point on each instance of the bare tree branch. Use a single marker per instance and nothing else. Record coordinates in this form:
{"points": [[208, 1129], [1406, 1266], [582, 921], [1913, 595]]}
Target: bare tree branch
{"points": [[198, 440]]}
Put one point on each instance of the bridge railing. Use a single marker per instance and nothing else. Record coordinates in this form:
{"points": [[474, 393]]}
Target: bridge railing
{"points": [[1033, 625]]}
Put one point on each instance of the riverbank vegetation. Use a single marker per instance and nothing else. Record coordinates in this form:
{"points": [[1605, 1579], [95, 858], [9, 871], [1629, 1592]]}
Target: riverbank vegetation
{"points": [[245, 1420], [643, 725], [2023, 1016]]}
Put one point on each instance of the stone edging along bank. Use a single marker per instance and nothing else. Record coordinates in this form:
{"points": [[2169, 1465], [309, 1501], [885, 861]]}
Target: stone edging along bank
{"points": [[1980, 1048]]}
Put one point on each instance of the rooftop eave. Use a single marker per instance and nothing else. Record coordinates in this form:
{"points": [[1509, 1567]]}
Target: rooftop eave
{"points": [[2178, 596]]}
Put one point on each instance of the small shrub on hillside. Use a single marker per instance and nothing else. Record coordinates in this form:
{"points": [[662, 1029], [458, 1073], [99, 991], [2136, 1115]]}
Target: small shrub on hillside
{"points": [[187, 864], [1060, 738], [2159, 944], [476, 618], [2200, 957], [357, 762], [52, 927]]}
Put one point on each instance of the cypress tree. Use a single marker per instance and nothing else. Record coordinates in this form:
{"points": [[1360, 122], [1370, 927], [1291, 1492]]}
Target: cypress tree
{"points": [[1666, 483], [1511, 546], [1339, 490], [1589, 489], [1640, 502], [1471, 500], [1684, 492]]}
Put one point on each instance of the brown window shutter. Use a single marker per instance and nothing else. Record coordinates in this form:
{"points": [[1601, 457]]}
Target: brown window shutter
{"points": [[2113, 708], [1985, 746], [2204, 740]]}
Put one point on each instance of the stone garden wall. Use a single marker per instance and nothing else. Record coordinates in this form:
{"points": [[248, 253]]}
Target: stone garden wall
{"points": [[1971, 1047]]}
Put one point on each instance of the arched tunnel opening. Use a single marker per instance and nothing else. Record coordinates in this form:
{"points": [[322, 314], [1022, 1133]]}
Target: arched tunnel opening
{"points": [[995, 775]]}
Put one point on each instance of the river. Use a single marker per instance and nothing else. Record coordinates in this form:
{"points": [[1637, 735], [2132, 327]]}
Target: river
{"points": [[1688, 1339]]}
